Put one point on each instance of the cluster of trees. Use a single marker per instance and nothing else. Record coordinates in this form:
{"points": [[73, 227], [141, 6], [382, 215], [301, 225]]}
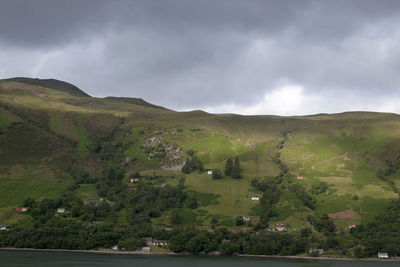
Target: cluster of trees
{"points": [[284, 170], [192, 164], [232, 168], [228, 243], [392, 166], [282, 142], [216, 174], [76, 227], [148, 201], [381, 235], [302, 193], [319, 188], [106, 147], [59, 233], [271, 195], [324, 225]]}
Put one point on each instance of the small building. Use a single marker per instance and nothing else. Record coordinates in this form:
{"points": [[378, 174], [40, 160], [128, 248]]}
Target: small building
{"points": [[115, 247], [255, 198], [246, 218], [146, 249], [23, 209], [383, 255], [223, 241], [209, 172], [97, 222], [318, 251], [134, 180], [281, 228], [60, 210], [148, 240], [3, 227], [300, 177], [160, 243], [352, 226]]}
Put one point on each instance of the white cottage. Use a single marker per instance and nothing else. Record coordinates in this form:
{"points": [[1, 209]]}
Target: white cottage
{"points": [[383, 255], [60, 210]]}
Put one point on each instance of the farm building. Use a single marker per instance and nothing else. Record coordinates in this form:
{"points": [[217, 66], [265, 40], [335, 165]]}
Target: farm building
{"points": [[209, 172], [255, 198], [383, 255]]}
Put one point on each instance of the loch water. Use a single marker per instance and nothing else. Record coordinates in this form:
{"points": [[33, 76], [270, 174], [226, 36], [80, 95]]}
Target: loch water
{"points": [[41, 258]]}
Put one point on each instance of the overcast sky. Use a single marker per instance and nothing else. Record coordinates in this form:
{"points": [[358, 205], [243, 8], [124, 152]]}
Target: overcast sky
{"points": [[238, 56]]}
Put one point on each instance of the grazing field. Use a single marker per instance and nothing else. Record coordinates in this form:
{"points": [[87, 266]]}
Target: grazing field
{"points": [[13, 191]]}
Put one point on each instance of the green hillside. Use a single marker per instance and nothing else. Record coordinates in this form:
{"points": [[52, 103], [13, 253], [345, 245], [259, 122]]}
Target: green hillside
{"points": [[57, 143]]}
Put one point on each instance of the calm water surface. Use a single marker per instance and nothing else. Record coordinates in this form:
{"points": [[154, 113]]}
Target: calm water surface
{"points": [[36, 258]]}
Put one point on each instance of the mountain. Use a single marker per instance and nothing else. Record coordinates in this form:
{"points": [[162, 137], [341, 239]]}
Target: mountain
{"points": [[56, 141], [50, 83], [136, 101]]}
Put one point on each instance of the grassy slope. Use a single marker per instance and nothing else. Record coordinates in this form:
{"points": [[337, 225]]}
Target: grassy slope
{"points": [[343, 150]]}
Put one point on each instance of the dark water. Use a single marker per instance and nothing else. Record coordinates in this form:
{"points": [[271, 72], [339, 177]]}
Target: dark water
{"points": [[34, 258]]}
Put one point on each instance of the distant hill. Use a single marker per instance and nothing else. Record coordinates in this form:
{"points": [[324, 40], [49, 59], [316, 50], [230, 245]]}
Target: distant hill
{"points": [[136, 101], [50, 83]]}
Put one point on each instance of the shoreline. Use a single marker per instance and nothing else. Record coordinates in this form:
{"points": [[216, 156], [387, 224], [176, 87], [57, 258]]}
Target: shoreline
{"points": [[288, 257]]}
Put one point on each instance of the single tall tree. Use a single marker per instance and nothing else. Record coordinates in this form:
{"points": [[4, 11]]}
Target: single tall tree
{"points": [[236, 171], [228, 167]]}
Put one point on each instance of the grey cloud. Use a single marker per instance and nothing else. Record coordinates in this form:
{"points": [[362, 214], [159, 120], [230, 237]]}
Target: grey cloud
{"points": [[196, 54]]}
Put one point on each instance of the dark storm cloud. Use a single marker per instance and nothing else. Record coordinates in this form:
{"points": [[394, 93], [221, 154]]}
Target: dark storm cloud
{"points": [[222, 56]]}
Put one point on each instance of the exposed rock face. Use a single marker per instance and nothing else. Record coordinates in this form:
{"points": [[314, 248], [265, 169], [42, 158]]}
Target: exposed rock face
{"points": [[175, 157], [172, 155]]}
